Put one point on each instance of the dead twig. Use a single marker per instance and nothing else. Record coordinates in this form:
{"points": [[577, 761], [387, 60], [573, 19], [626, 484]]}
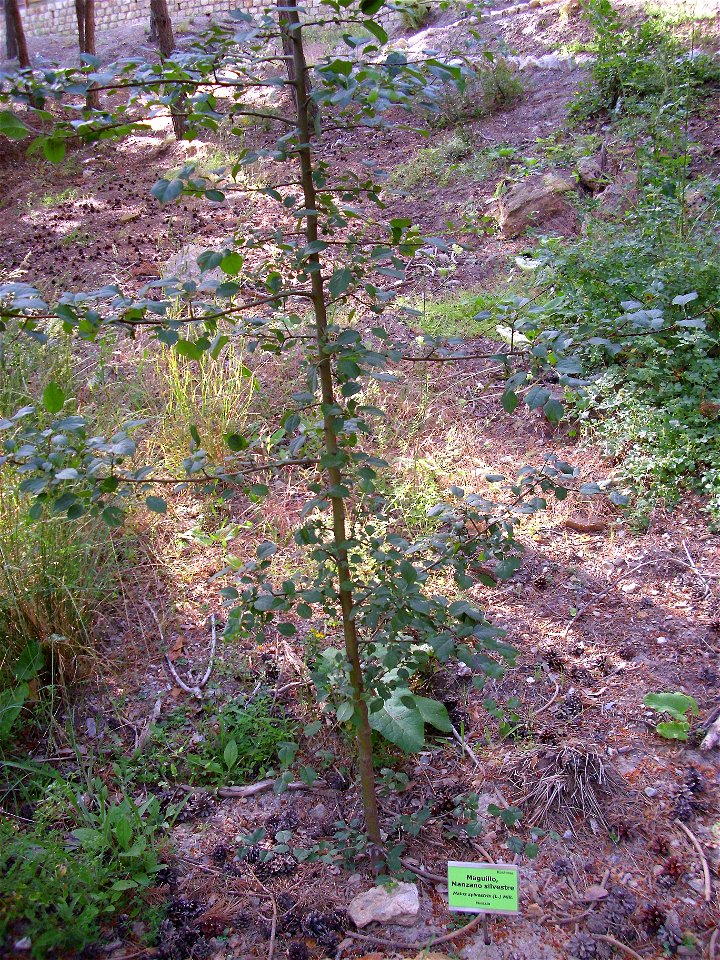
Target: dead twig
{"points": [[250, 789], [705, 868], [618, 945], [713, 943], [419, 947], [466, 747], [712, 737], [197, 690], [695, 570], [147, 729], [546, 706]]}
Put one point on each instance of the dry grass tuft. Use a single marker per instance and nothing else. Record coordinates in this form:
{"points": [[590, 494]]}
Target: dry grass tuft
{"points": [[567, 781]]}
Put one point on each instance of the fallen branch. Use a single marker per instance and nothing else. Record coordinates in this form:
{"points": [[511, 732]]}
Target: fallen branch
{"points": [[425, 874], [713, 943], [197, 690], [419, 947], [250, 789], [706, 869], [466, 747], [712, 737], [618, 945]]}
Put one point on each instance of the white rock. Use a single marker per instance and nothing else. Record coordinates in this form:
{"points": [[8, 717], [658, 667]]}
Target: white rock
{"points": [[393, 905]]}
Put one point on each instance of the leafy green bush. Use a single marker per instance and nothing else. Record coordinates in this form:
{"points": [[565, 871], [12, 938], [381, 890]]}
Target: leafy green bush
{"points": [[642, 304], [493, 87], [635, 63]]}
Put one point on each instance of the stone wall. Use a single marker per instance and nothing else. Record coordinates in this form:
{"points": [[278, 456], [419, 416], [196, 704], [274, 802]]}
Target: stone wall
{"points": [[57, 17]]}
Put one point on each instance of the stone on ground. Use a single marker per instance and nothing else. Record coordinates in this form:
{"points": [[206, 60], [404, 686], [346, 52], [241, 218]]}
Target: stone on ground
{"points": [[392, 905], [535, 201]]}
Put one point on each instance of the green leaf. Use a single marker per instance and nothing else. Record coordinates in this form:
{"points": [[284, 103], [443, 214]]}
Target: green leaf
{"points": [[400, 724], [673, 729], [11, 126], [53, 398], [54, 149], [676, 704], [339, 282], [231, 264], [236, 442], [509, 401], [345, 711], [156, 504], [376, 30], [167, 190], [230, 754], [553, 410], [370, 7], [434, 713], [30, 661]]}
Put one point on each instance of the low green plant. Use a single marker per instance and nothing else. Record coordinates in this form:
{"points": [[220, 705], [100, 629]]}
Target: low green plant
{"points": [[494, 87], [244, 746], [53, 578], [209, 394], [59, 890], [677, 706], [454, 314], [237, 743], [414, 14]]}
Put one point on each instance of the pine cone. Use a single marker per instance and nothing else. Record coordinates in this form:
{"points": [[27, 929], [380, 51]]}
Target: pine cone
{"points": [[325, 928], [694, 780], [298, 950], [654, 917], [684, 806], [582, 947], [280, 865], [562, 867], [570, 707]]}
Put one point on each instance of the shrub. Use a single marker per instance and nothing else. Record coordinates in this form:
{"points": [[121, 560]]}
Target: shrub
{"points": [[492, 88]]}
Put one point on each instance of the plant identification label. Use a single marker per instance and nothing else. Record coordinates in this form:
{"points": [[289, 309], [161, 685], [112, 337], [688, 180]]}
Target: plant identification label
{"points": [[482, 887]]}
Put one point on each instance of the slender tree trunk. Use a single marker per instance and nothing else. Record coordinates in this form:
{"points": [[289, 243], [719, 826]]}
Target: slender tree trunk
{"points": [[363, 731], [161, 24], [93, 97], [11, 49], [80, 15], [12, 14], [288, 19]]}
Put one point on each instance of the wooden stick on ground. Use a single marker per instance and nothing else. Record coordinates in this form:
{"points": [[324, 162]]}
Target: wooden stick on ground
{"points": [[419, 947], [618, 945], [705, 868]]}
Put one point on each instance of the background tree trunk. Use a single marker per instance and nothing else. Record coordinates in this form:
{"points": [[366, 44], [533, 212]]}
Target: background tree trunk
{"points": [[80, 14], [10, 39], [161, 23], [161, 26], [93, 97], [12, 15]]}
